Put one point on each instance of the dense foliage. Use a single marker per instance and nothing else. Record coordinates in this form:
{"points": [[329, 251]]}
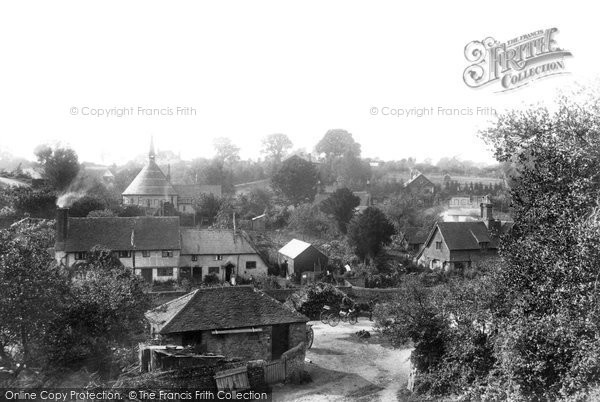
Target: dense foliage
{"points": [[311, 299], [369, 232]]}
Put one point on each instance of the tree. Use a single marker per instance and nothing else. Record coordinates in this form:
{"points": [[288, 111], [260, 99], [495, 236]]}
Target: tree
{"points": [[341, 205], [548, 334], [105, 312], [336, 143], [83, 206], [309, 220], [227, 152], [60, 165], [208, 206], [369, 232], [276, 146], [296, 180], [32, 289]]}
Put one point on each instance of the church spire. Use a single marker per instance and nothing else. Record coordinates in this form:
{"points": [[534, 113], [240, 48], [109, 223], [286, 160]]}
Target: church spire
{"points": [[151, 154]]}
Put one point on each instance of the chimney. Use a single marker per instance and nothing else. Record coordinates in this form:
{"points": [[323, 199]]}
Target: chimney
{"points": [[62, 226], [487, 211]]}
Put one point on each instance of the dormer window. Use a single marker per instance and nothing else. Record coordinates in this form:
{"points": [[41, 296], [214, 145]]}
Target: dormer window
{"points": [[484, 245]]}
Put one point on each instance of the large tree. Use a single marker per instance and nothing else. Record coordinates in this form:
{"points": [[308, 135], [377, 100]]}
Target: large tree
{"points": [[336, 143], [369, 232], [32, 289], [104, 313], [297, 180], [341, 205], [226, 150], [276, 146], [60, 165], [548, 333]]}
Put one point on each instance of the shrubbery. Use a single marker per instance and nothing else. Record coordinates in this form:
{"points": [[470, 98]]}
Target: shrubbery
{"points": [[311, 299]]}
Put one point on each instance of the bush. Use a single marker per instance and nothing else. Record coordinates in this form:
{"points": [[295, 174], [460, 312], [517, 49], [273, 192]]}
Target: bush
{"points": [[311, 299], [211, 280]]}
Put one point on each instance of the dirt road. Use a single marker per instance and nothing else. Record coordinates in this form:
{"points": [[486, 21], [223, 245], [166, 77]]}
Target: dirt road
{"points": [[345, 368]]}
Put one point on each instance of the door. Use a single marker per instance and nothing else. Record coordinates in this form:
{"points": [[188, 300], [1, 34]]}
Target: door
{"points": [[147, 274], [279, 340], [197, 274]]}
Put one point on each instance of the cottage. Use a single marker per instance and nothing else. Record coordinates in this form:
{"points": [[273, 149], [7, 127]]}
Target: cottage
{"points": [[456, 245], [234, 321], [302, 257], [222, 252], [419, 184], [149, 245]]}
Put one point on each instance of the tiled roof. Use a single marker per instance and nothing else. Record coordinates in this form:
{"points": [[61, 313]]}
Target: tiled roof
{"points": [[150, 233], [294, 248], [150, 181], [196, 190], [419, 180], [465, 235], [214, 241], [221, 308]]}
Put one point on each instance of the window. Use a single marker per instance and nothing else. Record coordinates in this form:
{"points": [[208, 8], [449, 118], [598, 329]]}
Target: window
{"points": [[250, 264], [484, 245], [164, 271], [167, 253], [145, 253], [218, 257], [184, 208], [438, 245], [194, 258], [124, 254], [81, 256], [213, 270]]}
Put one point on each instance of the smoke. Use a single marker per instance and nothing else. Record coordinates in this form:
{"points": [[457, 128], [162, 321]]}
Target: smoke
{"points": [[81, 186], [67, 199]]}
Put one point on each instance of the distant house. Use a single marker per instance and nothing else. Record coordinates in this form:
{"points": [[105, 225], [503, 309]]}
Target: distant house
{"points": [[301, 257], [149, 245], [218, 251], [419, 184], [235, 321], [457, 245], [189, 193], [102, 174]]}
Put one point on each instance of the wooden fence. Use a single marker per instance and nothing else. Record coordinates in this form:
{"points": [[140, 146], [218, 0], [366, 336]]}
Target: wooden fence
{"points": [[236, 378], [275, 371]]}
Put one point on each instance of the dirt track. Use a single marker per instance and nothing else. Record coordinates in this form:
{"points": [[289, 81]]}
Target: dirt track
{"points": [[345, 368]]}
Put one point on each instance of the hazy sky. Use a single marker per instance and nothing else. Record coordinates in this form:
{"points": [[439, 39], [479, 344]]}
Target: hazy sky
{"points": [[261, 67]]}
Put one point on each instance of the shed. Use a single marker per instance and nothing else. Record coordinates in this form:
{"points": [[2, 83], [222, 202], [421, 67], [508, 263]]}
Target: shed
{"points": [[301, 257]]}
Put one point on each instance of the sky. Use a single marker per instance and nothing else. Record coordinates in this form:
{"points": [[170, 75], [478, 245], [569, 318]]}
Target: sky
{"points": [[249, 69]]}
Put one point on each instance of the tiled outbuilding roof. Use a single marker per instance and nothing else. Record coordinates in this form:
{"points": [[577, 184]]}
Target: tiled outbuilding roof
{"points": [[214, 241], [221, 308], [149, 233]]}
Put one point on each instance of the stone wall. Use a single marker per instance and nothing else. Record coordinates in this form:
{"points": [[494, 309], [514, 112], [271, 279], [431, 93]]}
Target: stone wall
{"points": [[297, 334], [295, 362], [247, 346]]}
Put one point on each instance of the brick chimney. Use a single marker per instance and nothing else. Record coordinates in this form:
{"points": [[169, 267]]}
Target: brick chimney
{"points": [[487, 211], [62, 227]]}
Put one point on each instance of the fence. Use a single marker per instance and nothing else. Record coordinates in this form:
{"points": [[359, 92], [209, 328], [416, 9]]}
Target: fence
{"points": [[275, 371], [236, 378]]}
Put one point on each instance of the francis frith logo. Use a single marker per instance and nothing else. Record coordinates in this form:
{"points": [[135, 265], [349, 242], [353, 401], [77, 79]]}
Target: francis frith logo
{"points": [[514, 63]]}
